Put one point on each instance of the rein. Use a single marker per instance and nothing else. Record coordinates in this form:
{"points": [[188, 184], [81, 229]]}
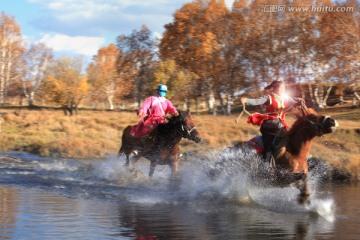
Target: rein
{"points": [[188, 131], [184, 129], [248, 113]]}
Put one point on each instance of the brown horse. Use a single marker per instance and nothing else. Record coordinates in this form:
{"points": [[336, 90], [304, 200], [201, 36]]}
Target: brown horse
{"points": [[162, 145], [291, 161]]}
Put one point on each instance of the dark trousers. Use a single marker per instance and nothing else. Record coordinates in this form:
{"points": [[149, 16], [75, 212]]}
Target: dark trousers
{"points": [[271, 137], [268, 145]]}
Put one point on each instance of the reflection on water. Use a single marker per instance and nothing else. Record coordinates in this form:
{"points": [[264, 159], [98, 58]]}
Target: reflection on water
{"points": [[54, 199], [8, 209]]}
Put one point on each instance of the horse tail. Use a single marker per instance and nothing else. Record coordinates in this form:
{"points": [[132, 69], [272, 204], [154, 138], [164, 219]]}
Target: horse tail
{"points": [[124, 139]]}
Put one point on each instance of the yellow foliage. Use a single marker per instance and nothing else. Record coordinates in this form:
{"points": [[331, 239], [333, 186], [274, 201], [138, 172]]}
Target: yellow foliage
{"points": [[65, 83]]}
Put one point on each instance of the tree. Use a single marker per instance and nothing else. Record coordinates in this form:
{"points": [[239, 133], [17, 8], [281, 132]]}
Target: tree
{"points": [[192, 42], [136, 60], [37, 60], [177, 80], [11, 50], [65, 86], [102, 75]]}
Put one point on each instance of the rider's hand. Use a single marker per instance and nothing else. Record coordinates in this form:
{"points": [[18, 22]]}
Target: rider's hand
{"points": [[243, 100], [301, 101], [176, 114], [140, 114]]}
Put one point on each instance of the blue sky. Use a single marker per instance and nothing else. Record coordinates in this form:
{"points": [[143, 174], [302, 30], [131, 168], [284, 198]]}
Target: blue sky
{"points": [[83, 26]]}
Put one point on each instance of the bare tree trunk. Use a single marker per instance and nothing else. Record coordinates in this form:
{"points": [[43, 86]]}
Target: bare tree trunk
{"points": [[355, 99], [110, 101], [316, 96], [229, 104], [327, 94], [187, 103], [3, 64], [222, 104], [312, 98], [341, 97], [211, 103], [197, 105], [357, 95]]}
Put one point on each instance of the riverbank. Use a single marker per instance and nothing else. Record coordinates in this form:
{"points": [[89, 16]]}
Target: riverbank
{"points": [[94, 135]]}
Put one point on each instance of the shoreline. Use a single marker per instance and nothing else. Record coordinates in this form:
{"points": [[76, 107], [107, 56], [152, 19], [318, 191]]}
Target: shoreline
{"points": [[95, 135]]}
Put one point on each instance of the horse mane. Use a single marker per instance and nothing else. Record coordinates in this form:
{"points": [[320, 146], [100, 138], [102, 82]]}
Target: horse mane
{"points": [[169, 126], [301, 120]]}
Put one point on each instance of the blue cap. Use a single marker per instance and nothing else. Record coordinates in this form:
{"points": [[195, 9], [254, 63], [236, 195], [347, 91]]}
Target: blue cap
{"points": [[162, 90]]}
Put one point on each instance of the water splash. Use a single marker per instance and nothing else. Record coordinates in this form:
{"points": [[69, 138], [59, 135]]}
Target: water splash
{"points": [[227, 176], [324, 208]]}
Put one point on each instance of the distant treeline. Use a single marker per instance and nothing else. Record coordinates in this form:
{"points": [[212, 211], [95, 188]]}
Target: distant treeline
{"points": [[207, 55]]}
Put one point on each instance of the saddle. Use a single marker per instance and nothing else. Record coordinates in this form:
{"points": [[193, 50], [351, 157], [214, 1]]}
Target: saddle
{"points": [[146, 141], [257, 144]]}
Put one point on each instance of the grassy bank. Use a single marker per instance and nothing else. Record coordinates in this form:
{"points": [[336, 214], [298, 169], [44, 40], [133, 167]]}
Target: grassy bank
{"points": [[92, 135]]}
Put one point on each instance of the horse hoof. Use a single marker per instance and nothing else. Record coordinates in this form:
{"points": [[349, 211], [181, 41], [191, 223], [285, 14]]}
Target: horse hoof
{"points": [[244, 200], [304, 200]]}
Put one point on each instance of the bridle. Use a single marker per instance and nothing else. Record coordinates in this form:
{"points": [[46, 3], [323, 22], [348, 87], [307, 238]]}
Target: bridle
{"points": [[184, 129], [187, 131], [319, 126]]}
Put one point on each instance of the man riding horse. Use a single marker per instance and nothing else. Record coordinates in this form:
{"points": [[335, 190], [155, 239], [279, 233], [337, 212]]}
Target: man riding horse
{"points": [[153, 112], [156, 137], [272, 124]]}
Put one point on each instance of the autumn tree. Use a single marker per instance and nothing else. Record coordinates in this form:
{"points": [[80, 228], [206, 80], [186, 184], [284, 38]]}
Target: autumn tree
{"points": [[192, 42], [338, 51], [103, 77], [178, 81], [65, 86], [136, 60], [36, 62], [11, 49]]}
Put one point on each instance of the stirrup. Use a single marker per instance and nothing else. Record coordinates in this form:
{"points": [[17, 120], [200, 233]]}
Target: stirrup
{"points": [[272, 163]]}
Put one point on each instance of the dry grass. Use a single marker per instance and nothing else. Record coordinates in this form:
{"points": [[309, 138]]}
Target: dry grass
{"points": [[98, 134], [50, 133]]}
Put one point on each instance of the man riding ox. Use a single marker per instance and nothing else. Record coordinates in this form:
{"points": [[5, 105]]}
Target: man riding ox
{"points": [[272, 124]]}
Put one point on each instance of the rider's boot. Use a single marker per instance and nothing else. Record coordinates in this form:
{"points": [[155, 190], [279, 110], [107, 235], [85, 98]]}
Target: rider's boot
{"points": [[269, 158]]}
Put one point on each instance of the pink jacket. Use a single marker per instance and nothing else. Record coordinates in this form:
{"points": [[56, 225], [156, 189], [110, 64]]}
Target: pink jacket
{"points": [[156, 107], [152, 112]]}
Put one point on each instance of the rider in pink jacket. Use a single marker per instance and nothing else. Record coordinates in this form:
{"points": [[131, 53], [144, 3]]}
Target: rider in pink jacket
{"points": [[153, 112]]}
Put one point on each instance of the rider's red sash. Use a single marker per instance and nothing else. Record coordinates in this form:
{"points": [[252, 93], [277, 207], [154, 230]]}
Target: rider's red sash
{"points": [[273, 111], [259, 118]]}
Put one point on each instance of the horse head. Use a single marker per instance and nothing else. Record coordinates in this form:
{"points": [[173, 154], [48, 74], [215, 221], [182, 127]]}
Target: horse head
{"points": [[187, 127], [320, 124]]}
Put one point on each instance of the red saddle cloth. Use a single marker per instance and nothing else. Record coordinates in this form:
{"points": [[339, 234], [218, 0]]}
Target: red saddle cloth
{"points": [[140, 130], [146, 126], [257, 144]]}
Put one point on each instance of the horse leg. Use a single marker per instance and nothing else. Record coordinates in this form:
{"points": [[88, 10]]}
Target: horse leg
{"points": [[134, 159], [127, 163], [305, 192], [152, 168], [174, 166], [175, 181]]}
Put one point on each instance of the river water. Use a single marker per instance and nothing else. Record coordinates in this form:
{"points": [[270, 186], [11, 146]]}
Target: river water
{"points": [[42, 198]]}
